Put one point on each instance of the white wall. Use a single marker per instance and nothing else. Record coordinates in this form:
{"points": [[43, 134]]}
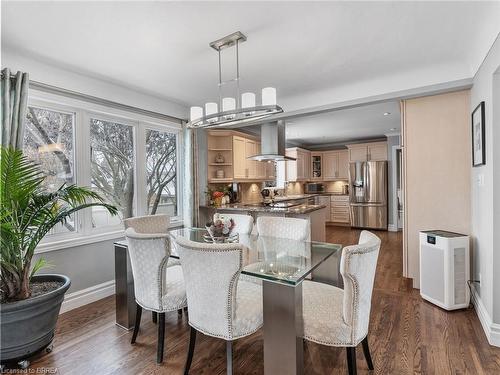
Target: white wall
{"points": [[486, 204], [49, 74], [437, 155]]}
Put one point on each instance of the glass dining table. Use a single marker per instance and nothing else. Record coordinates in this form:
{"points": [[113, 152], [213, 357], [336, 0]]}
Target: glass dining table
{"points": [[282, 265]]}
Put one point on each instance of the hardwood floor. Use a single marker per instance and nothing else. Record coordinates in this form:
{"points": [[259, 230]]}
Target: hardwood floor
{"points": [[407, 336]]}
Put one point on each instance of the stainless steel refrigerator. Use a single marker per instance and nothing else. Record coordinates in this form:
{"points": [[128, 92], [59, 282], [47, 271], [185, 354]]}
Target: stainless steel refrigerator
{"points": [[368, 194]]}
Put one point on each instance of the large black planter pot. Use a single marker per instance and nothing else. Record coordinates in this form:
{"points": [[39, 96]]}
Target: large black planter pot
{"points": [[28, 326]]}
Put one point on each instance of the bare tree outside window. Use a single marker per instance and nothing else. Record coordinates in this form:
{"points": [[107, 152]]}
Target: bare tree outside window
{"points": [[161, 169], [112, 168], [48, 141]]}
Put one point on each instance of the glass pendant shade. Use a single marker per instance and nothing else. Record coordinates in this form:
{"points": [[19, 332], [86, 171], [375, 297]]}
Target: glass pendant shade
{"points": [[247, 100], [228, 104], [268, 96], [210, 109], [195, 113]]}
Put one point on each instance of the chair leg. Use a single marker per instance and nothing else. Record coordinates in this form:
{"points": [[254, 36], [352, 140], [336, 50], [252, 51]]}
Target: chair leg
{"points": [[229, 357], [351, 360], [138, 314], [161, 337], [366, 351], [154, 316], [192, 342]]}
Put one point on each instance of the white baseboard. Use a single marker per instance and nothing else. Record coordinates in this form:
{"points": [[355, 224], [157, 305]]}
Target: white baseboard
{"points": [[88, 295], [392, 228], [492, 330]]}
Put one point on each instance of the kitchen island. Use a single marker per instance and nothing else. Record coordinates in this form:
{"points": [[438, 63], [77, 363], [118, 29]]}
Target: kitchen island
{"points": [[314, 213]]}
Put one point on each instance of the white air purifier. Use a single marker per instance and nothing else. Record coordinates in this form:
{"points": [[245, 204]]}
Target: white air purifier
{"points": [[444, 269]]}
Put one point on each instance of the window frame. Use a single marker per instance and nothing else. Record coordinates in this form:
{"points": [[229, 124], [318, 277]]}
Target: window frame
{"points": [[84, 111], [174, 220]]}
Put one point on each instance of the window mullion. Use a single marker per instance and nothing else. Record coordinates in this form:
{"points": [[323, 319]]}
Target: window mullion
{"points": [[83, 165], [140, 169]]}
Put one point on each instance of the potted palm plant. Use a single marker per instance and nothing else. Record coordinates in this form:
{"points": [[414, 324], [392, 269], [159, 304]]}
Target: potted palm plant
{"points": [[30, 303]]}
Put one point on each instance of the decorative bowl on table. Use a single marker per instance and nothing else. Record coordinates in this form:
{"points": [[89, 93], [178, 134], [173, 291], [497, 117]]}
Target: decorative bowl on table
{"points": [[220, 230]]}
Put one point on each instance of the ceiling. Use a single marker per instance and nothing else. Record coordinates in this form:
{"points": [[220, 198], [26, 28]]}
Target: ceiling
{"points": [[161, 48], [344, 126]]}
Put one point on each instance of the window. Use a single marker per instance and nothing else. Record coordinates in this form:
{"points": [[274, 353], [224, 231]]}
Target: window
{"points": [[112, 169], [161, 172], [131, 163], [48, 141]]}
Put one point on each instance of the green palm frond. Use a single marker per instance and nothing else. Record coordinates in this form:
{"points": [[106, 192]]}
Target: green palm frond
{"points": [[28, 213]]}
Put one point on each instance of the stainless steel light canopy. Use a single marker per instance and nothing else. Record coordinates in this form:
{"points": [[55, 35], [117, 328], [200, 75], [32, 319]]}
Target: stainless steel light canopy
{"points": [[231, 111]]}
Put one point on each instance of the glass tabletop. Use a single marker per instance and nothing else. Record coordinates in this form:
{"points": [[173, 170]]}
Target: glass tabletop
{"points": [[270, 258]]}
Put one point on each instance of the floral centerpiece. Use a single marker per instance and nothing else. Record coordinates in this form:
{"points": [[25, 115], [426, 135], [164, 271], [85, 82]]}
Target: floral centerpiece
{"points": [[217, 197], [220, 227]]}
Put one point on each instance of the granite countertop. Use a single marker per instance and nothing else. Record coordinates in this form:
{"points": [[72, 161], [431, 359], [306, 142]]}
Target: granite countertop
{"points": [[304, 196], [299, 209]]}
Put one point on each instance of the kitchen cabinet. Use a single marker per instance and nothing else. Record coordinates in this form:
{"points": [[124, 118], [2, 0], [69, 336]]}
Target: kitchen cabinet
{"points": [[239, 158], [316, 166], [339, 209], [377, 151], [335, 165], [251, 165], [343, 165], [235, 148], [325, 201], [374, 151], [298, 170]]}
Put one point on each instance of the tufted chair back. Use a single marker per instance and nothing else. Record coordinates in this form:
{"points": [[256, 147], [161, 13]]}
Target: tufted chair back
{"points": [[148, 224], [357, 266], [244, 223], [211, 273], [284, 227], [149, 255]]}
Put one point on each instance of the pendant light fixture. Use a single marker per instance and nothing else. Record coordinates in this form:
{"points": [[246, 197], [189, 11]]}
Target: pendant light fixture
{"points": [[230, 111]]}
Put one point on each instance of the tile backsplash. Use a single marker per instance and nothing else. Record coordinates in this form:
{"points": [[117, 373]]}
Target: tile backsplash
{"points": [[294, 188], [335, 186], [250, 192]]}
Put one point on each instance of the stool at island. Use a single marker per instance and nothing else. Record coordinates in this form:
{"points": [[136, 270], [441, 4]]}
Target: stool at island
{"points": [[444, 269]]}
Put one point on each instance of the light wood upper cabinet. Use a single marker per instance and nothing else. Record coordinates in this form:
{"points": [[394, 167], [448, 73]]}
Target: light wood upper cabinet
{"points": [[357, 153], [343, 165], [239, 158], [298, 170], [377, 151], [330, 160], [251, 165], [335, 165], [374, 151]]}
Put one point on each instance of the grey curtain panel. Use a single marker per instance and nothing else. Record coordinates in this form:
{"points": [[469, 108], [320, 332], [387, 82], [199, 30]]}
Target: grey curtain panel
{"points": [[14, 91], [191, 186]]}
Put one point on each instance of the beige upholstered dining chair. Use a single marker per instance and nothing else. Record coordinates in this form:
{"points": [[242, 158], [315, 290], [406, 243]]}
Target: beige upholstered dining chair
{"points": [[284, 227], [157, 288], [148, 224], [243, 223], [151, 224], [337, 317], [220, 304]]}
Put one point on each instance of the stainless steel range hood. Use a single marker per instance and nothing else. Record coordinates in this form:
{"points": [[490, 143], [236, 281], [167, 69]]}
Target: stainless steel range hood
{"points": [[272, 138]]}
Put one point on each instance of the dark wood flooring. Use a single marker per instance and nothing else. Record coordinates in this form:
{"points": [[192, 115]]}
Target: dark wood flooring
{"points": [[407, 336]]}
